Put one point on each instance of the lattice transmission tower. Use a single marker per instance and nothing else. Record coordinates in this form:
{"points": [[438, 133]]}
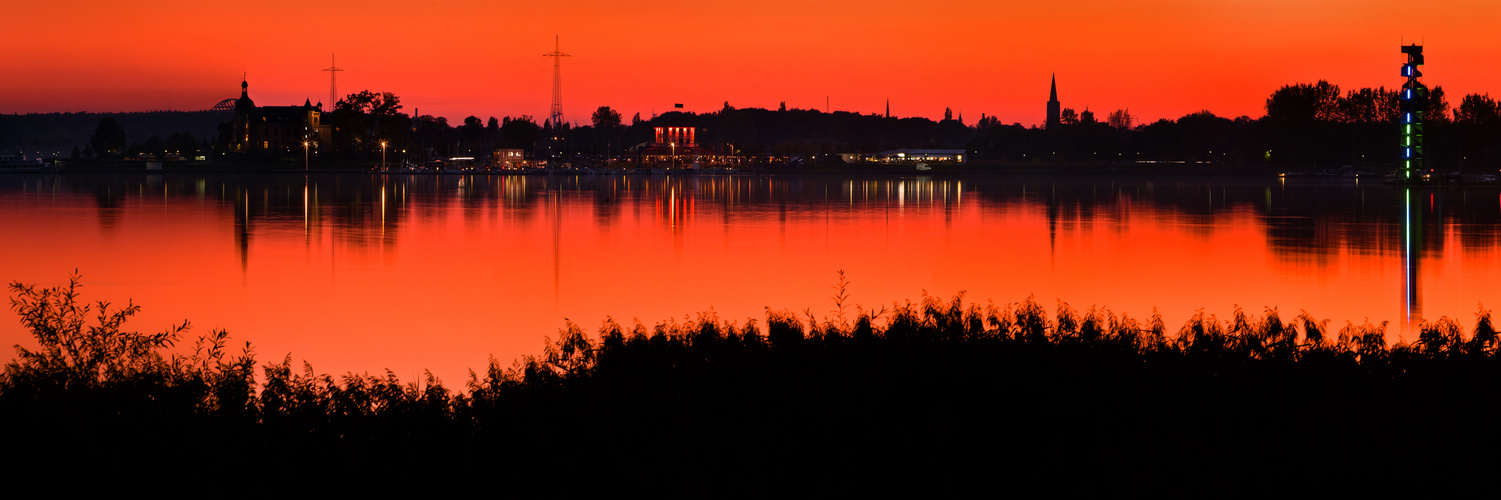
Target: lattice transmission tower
{"points": [[556, 114], [333, 82]]}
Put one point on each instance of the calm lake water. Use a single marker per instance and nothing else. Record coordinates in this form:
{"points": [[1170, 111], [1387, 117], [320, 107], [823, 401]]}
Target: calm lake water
{"points": [[367, 272]]}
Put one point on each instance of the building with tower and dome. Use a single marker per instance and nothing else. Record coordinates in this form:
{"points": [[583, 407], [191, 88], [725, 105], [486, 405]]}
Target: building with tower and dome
{"points": [[276, 130]]}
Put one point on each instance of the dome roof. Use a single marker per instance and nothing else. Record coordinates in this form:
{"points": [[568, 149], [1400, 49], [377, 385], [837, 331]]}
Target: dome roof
{"points": [[244, 104]]}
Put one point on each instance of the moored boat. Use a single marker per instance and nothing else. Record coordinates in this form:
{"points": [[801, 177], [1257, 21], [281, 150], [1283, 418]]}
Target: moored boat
{"points": [[19, 163]]}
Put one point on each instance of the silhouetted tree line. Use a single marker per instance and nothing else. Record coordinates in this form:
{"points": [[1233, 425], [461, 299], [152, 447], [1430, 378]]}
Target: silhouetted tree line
{"points": [[1306, 126], [750, 132], [938, 396], [810, 133], [362, 120], [62, 133]]}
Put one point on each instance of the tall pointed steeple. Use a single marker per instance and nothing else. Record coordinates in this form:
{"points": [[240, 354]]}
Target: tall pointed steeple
{"points": [[1054, 109], [888, 108]]}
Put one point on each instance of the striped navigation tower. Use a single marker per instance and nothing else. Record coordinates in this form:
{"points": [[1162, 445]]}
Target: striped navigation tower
{"points": [[333, 82], [1412, 101], [556, 114]]}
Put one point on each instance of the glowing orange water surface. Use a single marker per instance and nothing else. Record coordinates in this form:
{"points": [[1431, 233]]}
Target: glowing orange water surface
{"points": [[362, 272]]}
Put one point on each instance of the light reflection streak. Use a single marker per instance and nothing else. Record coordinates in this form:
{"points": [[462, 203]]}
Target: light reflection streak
{"points": [[1407, 253]]}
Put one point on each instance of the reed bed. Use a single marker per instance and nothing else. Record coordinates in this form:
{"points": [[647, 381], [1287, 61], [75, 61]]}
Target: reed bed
{"points": [[937, 396]]}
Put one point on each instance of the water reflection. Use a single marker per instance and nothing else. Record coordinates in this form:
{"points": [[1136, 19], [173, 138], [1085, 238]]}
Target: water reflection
{"points": [[606, 244], [1409, 264], [1308, 222]]}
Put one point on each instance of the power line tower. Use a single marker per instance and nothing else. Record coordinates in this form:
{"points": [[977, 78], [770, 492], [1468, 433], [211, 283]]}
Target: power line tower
{"points": [[333, 82], [557, 55]]}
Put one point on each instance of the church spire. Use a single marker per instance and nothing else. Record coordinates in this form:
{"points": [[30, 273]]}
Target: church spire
{"points": [[1054, 119]]}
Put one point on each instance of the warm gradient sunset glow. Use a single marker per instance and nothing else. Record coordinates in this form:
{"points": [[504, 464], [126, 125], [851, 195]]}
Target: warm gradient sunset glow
{"points": [[1160, 58]]}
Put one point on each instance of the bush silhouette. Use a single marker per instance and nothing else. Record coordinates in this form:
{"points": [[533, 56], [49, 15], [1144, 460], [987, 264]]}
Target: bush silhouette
{"points": [[938, 396]]}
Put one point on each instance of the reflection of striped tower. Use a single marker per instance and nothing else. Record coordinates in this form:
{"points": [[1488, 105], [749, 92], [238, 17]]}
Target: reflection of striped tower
{"points": [[557, 55], [1413, 100], [333, 82]]}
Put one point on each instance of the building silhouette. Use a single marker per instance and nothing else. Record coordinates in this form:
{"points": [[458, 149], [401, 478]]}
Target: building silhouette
{"points": [[277, 130], [1054, 110]]}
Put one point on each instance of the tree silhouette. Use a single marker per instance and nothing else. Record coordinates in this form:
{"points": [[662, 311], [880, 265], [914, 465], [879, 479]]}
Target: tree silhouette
{"points": [[519, 132], [108, 138], [1477, 109], [370, 103], [1068, 116], [605, 118], [1436, 106], [1368, 106], [1303, 103], [364, 119]]}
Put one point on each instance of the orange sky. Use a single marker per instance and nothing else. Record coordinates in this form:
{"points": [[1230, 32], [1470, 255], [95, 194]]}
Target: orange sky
{"points": [[1160, 58]]}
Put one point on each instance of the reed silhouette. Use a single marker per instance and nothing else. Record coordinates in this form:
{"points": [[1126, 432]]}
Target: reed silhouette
{"points": [[939, 396]]}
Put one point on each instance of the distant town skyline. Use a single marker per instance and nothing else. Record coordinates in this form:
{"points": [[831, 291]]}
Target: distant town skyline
{"points": [[1160, 58]]}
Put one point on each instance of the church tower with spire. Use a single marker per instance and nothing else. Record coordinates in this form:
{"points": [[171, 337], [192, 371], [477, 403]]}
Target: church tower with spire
{"points": [[1054, 110]]}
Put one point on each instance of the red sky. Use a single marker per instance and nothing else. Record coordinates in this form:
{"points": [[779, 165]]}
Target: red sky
{"points": [[1160, 58]]}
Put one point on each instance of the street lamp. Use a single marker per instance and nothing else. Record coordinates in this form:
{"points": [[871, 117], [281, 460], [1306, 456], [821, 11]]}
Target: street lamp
{"points": [[304, 156], [382, 155]]}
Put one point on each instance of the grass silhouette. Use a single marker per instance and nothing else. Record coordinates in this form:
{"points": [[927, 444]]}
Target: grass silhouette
{"points": [[934, 397]]}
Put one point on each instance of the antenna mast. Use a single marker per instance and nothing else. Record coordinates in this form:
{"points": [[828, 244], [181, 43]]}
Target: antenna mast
{"points": [[556, 114], [333, 82]]}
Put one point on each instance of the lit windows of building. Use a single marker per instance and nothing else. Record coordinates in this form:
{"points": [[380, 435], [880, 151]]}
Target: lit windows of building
{"points": [[680, 136], [510, 158], [276, 130]]}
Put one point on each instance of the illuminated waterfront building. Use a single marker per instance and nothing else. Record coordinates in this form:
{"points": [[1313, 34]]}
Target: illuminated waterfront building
{"points": [[510, 158], [276, 130], [909, 155], [678, 146]]}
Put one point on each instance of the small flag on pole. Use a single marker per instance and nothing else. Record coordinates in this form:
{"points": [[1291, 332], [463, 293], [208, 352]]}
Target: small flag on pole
{"points": [[678, 106]]}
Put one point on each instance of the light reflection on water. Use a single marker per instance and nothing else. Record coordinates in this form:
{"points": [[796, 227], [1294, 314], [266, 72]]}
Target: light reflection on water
{"points": [[363, 272]]}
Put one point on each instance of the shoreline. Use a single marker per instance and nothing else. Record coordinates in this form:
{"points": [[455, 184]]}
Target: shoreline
{"points": [[1062, 171], [1193, 169]]}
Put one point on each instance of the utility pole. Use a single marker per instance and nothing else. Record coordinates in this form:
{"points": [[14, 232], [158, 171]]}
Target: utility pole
{"points": [[333, 82], [557, 55]]}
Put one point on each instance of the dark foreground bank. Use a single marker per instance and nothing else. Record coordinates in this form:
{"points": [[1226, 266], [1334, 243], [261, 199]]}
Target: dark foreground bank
{"points": [[931, 398]]}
